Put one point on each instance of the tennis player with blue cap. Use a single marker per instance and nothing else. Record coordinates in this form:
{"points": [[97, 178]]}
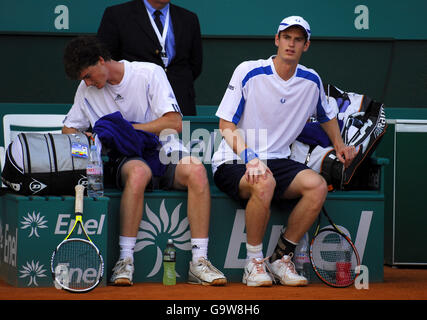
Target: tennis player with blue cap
{"points": [[295, 21], [264, 109]]}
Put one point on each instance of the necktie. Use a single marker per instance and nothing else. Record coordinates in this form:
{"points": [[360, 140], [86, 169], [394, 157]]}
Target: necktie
{"points": [[159, 24]]}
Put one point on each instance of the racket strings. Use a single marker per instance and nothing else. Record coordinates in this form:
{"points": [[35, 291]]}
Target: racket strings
{"points": [[334, 259], [77, 265]]}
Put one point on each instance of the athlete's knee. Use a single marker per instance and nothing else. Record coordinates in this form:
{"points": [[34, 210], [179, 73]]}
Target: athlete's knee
{"points": [[317, 190], [137, 177], [264, 188], [198, 176], [195, 174]]}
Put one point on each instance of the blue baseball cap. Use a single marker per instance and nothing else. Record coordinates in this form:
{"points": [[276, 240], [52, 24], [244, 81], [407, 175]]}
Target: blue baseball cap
{"points": [[295, 21]]}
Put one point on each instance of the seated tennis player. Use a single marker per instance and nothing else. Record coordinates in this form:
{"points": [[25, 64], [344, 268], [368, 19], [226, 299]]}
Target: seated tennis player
{"points": [[142, 94], [264, 109]]}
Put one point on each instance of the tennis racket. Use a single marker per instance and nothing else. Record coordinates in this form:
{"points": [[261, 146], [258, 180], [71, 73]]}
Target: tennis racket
{"points": [[333, 256], [76, 264]]}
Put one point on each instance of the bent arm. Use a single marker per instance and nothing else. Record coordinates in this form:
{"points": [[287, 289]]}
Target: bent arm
{"points": [[67, 130], [170, 120], [232, 136], [332, 130], [344, 153], [255, 168]]}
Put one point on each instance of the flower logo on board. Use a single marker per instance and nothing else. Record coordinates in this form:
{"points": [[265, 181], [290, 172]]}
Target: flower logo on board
{"points": [[162, 227]]}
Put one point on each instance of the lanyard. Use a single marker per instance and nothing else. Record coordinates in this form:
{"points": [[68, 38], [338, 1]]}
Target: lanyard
{"points": [[162, 38]]}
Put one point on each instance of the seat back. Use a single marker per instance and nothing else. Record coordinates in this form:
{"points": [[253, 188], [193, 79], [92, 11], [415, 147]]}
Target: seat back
{"points": [[13, 124]]}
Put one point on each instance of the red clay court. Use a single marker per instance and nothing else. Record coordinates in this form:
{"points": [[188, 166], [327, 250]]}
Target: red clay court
{"points": [[399, 284]]}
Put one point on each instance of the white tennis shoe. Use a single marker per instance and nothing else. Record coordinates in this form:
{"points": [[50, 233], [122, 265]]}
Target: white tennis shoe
{"points": [[205, 273], [284, 271], [123, 272], [255, 274]]}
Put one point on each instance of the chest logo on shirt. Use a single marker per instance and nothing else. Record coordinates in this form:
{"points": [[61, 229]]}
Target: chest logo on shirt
{"points": [[118, 98], [282, 101]]}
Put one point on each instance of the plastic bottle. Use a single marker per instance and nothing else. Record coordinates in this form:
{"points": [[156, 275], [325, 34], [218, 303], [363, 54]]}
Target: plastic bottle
{"points": [[94, 173], [169, 259], [302, 258]]}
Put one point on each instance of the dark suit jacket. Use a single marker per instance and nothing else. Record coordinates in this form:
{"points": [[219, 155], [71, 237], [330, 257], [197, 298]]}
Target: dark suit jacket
{"points": [[127, 32]]}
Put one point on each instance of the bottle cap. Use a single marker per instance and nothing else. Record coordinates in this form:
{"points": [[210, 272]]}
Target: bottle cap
{"points": [[170, 241]]}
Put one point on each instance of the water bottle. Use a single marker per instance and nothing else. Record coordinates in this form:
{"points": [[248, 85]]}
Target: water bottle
{"points": [[94, 173], [169, 258], [302, 257]]}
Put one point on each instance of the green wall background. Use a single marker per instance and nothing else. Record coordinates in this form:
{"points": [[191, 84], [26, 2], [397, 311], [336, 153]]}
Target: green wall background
{"points": [[390, 71], [386, 62], [327, 18]]}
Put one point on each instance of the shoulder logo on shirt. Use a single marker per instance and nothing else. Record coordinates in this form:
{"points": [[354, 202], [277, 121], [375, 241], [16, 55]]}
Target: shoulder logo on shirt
{"points": [[171, 95], [119, 98], [282, 101], [230, 87]]}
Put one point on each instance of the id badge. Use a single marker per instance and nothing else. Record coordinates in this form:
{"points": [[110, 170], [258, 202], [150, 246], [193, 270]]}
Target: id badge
{"points": [[164, 58], [79, 150]]}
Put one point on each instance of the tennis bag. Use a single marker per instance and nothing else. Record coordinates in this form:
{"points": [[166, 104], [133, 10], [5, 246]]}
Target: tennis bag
{"points": [[362, 122], [46, 164]]}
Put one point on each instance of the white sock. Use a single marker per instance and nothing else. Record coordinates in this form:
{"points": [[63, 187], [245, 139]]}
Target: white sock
{"points": [[127, 244], [254, 252], [199, 248]]}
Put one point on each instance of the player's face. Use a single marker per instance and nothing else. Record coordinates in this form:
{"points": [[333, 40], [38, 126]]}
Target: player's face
{"points": [[291, 43], [95, 75]]}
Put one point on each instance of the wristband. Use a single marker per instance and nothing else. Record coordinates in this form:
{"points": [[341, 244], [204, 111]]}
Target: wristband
{"points": [[247, 155]]}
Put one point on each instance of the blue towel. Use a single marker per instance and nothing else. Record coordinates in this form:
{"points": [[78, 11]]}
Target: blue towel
{"points": [[313, 134], [118, 135]]}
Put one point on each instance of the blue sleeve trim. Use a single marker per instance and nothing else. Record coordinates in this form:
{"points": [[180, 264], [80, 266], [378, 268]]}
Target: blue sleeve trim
{"points": [[309, 76], [254, 72], [320, 111], [239, 112]]}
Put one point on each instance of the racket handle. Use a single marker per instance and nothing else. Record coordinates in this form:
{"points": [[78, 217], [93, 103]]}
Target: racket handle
{"points": [[78, 206]]}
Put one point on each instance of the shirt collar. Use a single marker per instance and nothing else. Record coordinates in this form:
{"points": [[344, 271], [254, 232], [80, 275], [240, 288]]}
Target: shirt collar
{"points": [[150, 9]]}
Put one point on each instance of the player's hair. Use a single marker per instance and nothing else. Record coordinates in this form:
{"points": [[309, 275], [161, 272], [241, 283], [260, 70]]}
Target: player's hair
{"points": [[83, 52]]}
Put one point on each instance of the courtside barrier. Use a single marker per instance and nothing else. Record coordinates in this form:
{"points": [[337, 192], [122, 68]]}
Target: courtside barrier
{"points": [[361, 213], [404, 144], [30, 227]]}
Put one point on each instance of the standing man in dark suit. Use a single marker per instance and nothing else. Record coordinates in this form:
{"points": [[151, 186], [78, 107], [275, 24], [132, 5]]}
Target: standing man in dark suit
{"points": [[159, 32]]}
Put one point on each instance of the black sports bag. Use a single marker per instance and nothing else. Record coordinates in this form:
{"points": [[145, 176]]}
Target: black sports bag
{"points": [[46, 164], [364, 124]]}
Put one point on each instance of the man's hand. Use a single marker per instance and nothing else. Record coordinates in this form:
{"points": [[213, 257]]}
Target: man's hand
{"points": [[256, 169], [67, 130], [346, 154]]}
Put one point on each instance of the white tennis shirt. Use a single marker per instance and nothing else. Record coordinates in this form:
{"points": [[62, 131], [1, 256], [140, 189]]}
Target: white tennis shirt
{"points": [[143, 95], [270, 111]]}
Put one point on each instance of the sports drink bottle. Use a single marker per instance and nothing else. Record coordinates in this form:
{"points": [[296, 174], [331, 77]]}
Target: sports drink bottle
{"points": [[169, 259]]}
